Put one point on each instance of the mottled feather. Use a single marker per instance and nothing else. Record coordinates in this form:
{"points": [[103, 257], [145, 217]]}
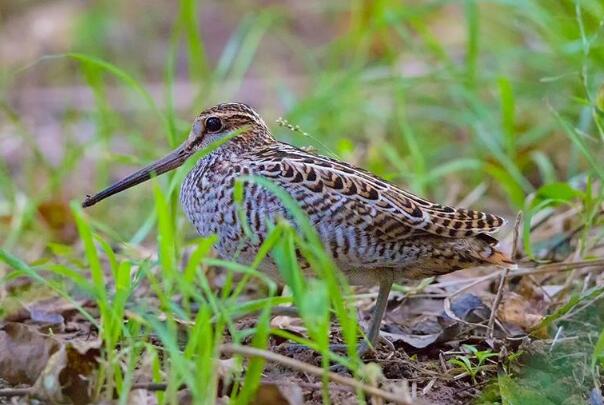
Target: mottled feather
{"points": [[324, 175], [370, 226]]}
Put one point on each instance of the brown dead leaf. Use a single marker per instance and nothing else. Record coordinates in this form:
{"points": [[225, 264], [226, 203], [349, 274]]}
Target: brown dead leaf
{"points": [[24, 353], [293, 325], [5, 219], [278, 394], [418, 332], [516, 310], [227, 368], [416, 341], [423, 322], [536, 293], [17, 284], [57, 215], [68, 374], [54, 313], [59, 372]]}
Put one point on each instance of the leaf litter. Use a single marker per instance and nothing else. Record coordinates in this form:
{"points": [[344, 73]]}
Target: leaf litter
{"points": [[439, 331]]}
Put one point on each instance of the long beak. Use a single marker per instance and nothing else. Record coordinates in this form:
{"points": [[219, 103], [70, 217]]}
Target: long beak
{"points": [[170, 162]]}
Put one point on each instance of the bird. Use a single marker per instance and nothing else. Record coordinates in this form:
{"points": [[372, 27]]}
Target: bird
{"points": [[376, 232]]}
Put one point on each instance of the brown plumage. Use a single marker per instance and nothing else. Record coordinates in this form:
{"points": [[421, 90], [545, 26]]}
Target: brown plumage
{"points": [[376, 232]]}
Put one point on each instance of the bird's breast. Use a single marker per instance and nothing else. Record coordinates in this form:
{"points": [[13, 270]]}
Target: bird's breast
{"points": [[207, 197]]}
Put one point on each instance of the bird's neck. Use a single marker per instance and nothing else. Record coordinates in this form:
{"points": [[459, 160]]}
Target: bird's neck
{"points": [[250, 140], [242, 145]]}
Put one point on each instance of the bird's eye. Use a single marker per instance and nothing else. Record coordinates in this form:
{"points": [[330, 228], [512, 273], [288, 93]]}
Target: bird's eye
{"points": [[213, 124]]}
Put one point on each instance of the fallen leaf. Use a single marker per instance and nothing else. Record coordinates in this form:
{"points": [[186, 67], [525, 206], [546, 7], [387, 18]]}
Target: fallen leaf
{"points": [[227, 368], [419, 332], [68, 374], [45, 317], [17, 284], [54, 313], [416, 341], [427, 321], [57, 215], [470, 308], [293, 325], [24, 353], [278, 394], [518, 311], [146, 397]]}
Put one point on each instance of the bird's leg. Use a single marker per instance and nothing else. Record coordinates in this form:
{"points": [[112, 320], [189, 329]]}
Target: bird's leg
{"points": [[376, 319], [379, 310], [374, 329]]}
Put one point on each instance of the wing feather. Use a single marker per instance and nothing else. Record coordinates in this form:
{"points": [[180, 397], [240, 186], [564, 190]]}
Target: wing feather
{"points": [[391, 204]]}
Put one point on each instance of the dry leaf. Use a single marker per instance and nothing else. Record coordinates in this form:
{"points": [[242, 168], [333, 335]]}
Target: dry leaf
{"points": [[67, 376], [416, 341], [290, 324], [278, 394], [423, 322], [45, 317], [518, 311], [57, 215], [59, 372], [56, 313], [24, 353]]}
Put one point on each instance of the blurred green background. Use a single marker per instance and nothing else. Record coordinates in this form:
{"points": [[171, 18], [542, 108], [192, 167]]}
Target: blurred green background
{"points": [[466, 102]]}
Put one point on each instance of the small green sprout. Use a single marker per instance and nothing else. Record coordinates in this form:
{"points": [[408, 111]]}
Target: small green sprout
{"points": [[474, 361]]}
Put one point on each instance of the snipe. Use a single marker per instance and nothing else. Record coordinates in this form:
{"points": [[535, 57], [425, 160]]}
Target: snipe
{"points": [[376, 232]]}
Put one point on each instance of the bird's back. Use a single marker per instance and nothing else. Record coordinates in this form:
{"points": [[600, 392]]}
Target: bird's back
{"points": [[365, 222]]}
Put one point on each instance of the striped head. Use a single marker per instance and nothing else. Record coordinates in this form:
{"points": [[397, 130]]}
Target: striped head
{"points": [[229, 119], [231, 123]]}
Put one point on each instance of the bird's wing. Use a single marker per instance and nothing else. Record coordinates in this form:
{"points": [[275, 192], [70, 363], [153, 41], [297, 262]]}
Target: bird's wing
{"points": [[396, 210]]}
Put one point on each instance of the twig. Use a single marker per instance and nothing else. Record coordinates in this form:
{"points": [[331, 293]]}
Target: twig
{"points": [[516, 235], [29, 391], [457, 281], [246, 351], [498, 297], [428, 386], [23, 392], [443, 363], [558, 332], [554, 267], [546, 268], [312, 386]]}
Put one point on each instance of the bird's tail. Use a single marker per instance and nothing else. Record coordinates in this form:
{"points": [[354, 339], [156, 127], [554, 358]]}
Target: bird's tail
{"points": [[445, 255], [484, 246]]}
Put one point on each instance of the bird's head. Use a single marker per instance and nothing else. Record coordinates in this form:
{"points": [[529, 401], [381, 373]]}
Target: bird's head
{"points": [[228, 122], [235, 120]]}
